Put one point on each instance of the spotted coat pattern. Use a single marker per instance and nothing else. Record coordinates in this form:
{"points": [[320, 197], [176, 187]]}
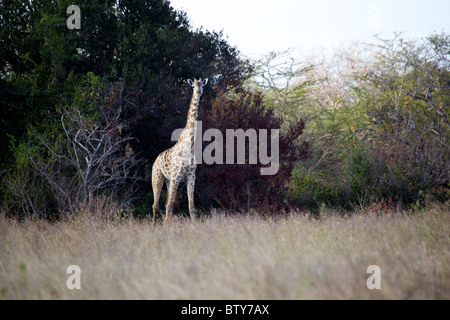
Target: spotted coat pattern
{"points": [[177, 163]]}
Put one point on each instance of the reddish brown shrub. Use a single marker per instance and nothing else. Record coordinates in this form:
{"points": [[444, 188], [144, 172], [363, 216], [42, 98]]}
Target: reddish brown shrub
{"points": [[240, 187]]}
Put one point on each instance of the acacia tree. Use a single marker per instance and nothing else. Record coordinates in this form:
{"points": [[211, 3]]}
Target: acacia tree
{"points": [[377, 122], [284, 81], [409, 98], [330, 106]]}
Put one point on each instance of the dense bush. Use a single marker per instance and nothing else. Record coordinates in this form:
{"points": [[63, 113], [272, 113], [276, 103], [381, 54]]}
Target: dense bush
{"points": [[85, 112], [242, 186], [379, 129], [79, 156], [131, 56]]}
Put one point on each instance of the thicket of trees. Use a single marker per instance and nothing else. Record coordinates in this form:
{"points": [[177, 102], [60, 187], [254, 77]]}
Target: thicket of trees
{"points": [[377, 122], [84, 113]]}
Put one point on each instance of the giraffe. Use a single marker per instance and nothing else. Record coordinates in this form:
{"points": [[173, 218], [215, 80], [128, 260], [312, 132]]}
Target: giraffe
{"points": [[178, 162]]}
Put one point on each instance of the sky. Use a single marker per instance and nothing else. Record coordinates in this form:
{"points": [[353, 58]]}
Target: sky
{"points": [[257, 27]]}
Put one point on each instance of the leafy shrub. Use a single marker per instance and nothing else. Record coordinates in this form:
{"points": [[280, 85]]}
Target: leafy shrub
{"points": [[240, 187], [76, 158], [310, 190]]}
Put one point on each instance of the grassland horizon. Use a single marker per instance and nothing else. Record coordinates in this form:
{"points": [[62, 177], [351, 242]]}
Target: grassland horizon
{"points": [[229, 257]]}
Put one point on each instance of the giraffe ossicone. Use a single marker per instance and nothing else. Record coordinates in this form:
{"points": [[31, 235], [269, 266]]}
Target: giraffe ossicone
{"points": [[178, 163]]}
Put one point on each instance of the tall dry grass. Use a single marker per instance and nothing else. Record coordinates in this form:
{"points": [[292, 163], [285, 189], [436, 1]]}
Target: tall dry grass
{"points": [[228, 257]]}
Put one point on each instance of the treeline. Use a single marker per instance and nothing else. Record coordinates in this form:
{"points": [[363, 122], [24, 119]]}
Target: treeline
{"points": [[376, 120], [85, 112]]}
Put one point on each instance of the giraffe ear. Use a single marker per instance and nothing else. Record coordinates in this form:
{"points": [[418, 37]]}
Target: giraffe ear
{"points": [[191, 83], [205, 82]]}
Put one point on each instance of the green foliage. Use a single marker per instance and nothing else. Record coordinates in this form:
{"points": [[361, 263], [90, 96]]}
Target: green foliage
{"points": [[377, 123], [384, 136], [23, 192], [313, 191], [129, 56], [361, 180], [284, 82]]}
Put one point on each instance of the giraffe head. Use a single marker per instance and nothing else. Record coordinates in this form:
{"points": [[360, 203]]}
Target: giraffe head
{"points": [[197, 86]]}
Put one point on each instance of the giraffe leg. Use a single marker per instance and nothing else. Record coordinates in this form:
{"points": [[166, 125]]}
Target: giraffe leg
{"points": [[157, 183], [190, 193], [172, 192], [167, 186]]}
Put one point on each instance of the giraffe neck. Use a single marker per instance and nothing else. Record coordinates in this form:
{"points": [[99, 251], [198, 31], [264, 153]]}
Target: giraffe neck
{"points": [[193, 108], [191, 124], [193, 111]]}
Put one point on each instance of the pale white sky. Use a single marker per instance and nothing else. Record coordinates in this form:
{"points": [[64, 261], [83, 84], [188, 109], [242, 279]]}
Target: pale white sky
{"points": [[259, 26]]}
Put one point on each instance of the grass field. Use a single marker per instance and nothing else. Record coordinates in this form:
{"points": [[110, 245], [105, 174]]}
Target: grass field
{"points": [[229, 257]]}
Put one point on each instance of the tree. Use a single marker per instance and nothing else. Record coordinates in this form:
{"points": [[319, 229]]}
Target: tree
{"points": [[284, 81], [145, 46], [376, 121], [145, 43], [409, 86], [241, 187], [84, 156]]}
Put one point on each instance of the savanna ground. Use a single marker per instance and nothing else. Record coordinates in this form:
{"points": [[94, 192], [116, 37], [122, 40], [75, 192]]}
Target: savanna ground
{"points": [[229, 257]]}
